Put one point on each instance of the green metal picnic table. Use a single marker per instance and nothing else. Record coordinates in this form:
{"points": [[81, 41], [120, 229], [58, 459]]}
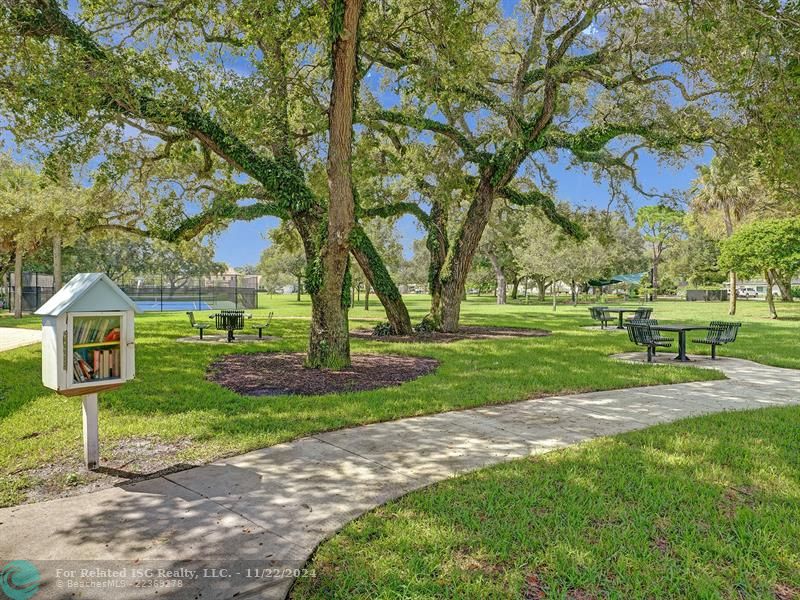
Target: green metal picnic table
{"points": [[621, 312], [681, 329]]}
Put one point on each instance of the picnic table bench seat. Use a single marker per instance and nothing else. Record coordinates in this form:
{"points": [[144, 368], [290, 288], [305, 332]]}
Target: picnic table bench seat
{"points": [[656, 335], [718, 333], [598, 314], [643, 312], [195, 325], [640, 332], [263, 326]]}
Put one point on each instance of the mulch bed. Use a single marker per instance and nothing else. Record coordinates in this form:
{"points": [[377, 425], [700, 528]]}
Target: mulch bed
{"points": [[273, 374], [465, 332]]}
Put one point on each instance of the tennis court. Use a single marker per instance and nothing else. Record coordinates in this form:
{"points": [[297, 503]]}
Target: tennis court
{"points": [[150, 293], [168, 305]]}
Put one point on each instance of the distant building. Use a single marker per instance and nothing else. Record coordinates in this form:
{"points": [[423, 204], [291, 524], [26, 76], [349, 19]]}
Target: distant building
{"points": [[230, 274], [760, 285], [232, 278]]}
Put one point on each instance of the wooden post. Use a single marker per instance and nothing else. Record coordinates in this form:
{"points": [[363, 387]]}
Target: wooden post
{"points": [[91, 448]]}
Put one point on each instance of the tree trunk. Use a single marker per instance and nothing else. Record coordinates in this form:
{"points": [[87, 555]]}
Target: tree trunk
{"points": [[541, 287], [574, 290], [784, 285], [732, 297], [438, 245], [18, 282], [378, 277], [773, 314], [654, 278], [299, 286], [57, 270], [554, 294], [366, 297], [515, 288], [527, 298], [454, 273], [329, 340], [500, 279], [450, 306]]}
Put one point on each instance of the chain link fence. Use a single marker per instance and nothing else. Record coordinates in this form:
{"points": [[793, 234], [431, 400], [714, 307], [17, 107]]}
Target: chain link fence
{"points": [[152, 292]]}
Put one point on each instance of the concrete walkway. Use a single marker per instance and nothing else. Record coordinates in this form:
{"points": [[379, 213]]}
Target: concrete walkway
{"points": [[251, 520], [12, 337]]}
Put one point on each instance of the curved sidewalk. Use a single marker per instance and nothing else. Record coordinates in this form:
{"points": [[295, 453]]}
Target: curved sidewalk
{"points": [[260, 515], [17, 337]]}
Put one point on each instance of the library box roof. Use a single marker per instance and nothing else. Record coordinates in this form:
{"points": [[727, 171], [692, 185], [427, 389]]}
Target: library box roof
{"points": [[88, 292]]}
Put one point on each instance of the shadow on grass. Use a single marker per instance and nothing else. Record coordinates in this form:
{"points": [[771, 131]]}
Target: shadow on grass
{"points": [[705, 507]]}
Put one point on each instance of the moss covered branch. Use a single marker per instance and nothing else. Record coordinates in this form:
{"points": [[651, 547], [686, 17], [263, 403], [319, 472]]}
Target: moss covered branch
{"points": [[397, 209], [467, 145], [283, 178], [548, 207]]}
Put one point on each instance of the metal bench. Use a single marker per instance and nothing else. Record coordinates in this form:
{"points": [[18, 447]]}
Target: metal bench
{"points": [[196, 325], [652, 323], [719, 332], [230, 321], [599, 314], [643, 312], [641, 334], [263, 326]]}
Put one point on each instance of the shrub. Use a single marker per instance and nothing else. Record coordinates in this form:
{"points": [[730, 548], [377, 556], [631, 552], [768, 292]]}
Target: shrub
{"points": [[427, 325], [383, 329]]}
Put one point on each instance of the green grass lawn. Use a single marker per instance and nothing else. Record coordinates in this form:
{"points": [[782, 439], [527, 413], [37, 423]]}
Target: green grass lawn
{"points": [[704, 508], [177, 416]]}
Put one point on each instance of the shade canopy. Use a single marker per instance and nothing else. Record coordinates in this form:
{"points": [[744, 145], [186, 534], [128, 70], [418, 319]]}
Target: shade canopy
{"points": [[629, 278]]}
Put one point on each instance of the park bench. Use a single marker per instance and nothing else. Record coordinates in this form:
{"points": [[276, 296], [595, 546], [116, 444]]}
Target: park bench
{"points": [[643, 312], [230, 321], [196, 325], [640, 332], [719, 332], [598, 314], [263, 326]]}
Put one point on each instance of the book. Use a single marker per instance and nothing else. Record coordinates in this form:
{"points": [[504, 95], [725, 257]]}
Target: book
{"points": [[81, 369], [77, 374], [95, 330], [112, 335]]}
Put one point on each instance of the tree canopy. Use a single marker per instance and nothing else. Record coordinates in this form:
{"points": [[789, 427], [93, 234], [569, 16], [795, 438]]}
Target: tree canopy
{"points": [[770, 248]]}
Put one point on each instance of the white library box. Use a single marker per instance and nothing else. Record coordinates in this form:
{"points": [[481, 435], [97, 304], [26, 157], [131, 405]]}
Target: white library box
{"points": [[87, 336]]}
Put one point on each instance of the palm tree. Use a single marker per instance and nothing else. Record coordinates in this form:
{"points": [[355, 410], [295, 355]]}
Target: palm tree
{"points": [[726, 187]]}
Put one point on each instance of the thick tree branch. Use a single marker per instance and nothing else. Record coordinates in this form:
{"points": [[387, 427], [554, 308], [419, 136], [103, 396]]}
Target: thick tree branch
{"points": [[467, 145], [547, 205], [397, 209], [595, 137], [43, 19]]}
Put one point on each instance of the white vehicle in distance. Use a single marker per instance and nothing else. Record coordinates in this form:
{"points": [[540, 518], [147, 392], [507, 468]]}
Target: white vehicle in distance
{"points": [[747, 292]]}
